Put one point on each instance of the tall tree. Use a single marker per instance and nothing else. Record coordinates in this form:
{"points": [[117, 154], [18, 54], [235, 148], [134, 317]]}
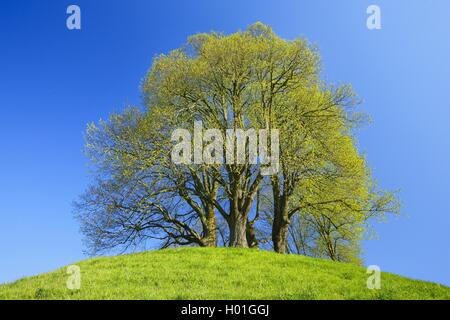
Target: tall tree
{"points": [[138, 193], [250, 80]]}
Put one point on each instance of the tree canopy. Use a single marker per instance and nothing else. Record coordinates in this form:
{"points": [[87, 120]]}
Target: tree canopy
{"points": [[320, 199]]}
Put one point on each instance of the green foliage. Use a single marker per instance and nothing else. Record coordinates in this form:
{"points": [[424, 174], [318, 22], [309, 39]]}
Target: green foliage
{"points": [[225, 274], [248, 79]]}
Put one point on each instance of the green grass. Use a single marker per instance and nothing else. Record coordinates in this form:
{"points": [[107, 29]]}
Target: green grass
{"points": [[200, 273]]}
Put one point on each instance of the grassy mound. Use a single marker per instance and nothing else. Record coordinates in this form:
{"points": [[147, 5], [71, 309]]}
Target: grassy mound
{"points": [[200, 273]]}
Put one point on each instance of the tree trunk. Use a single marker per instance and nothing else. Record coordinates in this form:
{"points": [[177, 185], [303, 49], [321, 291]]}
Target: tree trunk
{"points": [[251, 235], [238, 230], [210, 237], [242, 233], [280, 227], [280, 230]]}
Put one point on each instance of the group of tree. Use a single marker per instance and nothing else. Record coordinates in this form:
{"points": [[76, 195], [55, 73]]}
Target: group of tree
{"points": [[321, 200]]}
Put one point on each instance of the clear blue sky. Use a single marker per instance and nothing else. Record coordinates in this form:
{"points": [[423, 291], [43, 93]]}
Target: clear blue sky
{"points": [[54, 81]]}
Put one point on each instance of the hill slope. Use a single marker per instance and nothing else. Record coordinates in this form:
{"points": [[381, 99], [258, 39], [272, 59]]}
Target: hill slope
{"points": [[199, 273]]}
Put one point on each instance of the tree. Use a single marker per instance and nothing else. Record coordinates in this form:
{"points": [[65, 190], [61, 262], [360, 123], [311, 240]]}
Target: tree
{"points": [[250, 80], [138, 193]]}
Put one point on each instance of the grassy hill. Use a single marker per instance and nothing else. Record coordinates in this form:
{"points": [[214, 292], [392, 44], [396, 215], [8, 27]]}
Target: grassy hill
{"points": [[199, 273]]}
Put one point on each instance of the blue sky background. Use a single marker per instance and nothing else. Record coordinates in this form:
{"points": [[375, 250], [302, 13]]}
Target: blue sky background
{"points": [[54, 81]]}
